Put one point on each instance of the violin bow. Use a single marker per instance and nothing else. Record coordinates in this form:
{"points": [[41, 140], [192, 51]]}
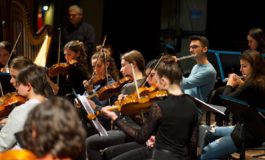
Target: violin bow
{"points": [[59, 53], [157, 63], [103, 44], [1, 90], [135, 82], [13, 49]]}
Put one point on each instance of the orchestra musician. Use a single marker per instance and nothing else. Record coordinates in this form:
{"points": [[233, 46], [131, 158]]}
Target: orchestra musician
{"points": [[5, 50], [252, 91], [95, 143], [131, 149], [173, 120], [16, 65], [202, 78], [31, 83], [103, 66], [77, 71]]}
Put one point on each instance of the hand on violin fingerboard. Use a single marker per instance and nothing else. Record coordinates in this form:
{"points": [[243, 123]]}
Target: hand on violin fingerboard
{"points": [[109, 114], [122, 96], [87, 86]]}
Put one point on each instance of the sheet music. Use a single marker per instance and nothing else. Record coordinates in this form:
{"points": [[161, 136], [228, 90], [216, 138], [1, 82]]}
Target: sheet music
{"points": [[102, 131]]}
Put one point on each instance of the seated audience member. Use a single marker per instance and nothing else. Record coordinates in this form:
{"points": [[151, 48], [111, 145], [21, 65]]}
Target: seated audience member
{"points": [[53, 131], [251, 90], [203, 75]]}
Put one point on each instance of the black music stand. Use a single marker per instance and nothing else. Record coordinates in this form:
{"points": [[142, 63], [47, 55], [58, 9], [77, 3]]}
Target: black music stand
{"points": [[248, 118], [209, 107], [5, 83]]}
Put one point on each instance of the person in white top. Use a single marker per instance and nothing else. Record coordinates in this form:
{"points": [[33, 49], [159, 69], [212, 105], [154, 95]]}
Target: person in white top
{"points": [[30, 82]]}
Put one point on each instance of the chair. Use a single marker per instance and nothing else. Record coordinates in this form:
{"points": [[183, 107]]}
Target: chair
{"points": [[248, 118]]}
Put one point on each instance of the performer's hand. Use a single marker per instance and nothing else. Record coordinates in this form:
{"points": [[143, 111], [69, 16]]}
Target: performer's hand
{"points": [[92, 103], [150, 143], [233, 80], [110, 114], [87, 86], [3, 121], [121, 96]]}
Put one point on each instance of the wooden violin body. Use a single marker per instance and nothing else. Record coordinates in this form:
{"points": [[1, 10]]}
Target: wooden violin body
{"points": [[132, 104], [8, 102], [60, 68], [111, 90]]}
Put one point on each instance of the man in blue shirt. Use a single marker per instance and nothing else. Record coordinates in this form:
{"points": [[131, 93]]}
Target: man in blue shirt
{"points": [[203, 75]]}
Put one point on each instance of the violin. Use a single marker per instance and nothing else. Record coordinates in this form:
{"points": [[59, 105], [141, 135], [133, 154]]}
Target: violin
{"points": [[110, 90], [60, 68], [17, 154], [8, 101], [134, 104]]}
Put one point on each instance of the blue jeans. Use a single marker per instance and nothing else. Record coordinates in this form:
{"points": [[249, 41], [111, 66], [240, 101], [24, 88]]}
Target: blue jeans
{"points": [[220, 148]]}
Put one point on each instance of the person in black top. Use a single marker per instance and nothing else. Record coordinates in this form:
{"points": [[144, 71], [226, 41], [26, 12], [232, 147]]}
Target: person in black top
{"points": [[173, 119], [256, 40], [5, 51], [95, 143], [77, 71], [77, 29], [252, 91]]}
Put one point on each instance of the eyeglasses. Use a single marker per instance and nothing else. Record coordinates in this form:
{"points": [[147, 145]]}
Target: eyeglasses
{"points": [[194, 47]]}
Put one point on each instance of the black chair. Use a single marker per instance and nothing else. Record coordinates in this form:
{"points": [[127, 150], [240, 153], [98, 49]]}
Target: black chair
{"points": [[249, 118]]}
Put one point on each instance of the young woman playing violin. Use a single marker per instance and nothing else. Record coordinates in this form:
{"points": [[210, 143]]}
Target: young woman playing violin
{"points": [[105, 73], [96, 143], [97, 83], [173, 119], [133, 150], [75, 56]]}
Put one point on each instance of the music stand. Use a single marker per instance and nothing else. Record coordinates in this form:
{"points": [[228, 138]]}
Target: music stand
{"points": [[209, 107], [248, 118]]}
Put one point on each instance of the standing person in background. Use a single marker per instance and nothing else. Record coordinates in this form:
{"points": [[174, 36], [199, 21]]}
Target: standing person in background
{"points": [[77, 29], [203, 75], [5, 51], [256, 40]]}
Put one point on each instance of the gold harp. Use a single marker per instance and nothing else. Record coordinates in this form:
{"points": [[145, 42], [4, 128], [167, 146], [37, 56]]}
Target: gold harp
{"points": [[34, 46]]}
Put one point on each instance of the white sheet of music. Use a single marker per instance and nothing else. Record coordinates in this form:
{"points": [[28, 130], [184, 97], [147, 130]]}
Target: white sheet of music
{"points": [[101, 130]]}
